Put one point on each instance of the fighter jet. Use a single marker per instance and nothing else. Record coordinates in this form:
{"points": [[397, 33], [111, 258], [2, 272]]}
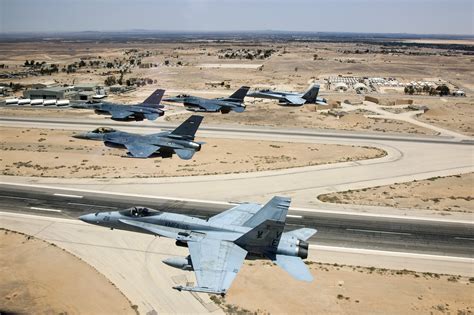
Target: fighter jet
{"points": [[291, 98], [224, 105], [149, 109], [219, 245], [164, 144]]}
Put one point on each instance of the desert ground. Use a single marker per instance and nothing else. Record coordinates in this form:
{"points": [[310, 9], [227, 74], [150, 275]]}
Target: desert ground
{"points": [[347, 290], [54, 153], [41, 278], [446, 194]]}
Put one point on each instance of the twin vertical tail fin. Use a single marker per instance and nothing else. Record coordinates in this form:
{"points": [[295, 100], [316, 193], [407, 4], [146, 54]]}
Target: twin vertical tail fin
{"points": [[240, 93], [265, 237], [189, 127], [276, 209], [154, 99], [311, 94], [267, 226]]}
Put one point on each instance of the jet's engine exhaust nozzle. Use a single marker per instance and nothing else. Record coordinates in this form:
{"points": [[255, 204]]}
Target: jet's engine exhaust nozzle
{"points": [[303, 249]]}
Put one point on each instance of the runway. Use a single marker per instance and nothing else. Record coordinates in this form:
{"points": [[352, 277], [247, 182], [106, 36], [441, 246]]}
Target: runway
{"points": [[340, 230]]}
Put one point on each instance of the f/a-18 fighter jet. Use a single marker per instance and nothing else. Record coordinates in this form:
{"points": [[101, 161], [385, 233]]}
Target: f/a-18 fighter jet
{"points": [[291, 98], [235, 102], [165, 144], [149, 109], [219, 245]]}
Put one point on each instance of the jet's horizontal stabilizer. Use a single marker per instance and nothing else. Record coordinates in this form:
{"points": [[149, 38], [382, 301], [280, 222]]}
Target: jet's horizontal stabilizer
{"points": [[185, 154], [302, 234], [239, 109], [294, 266]]}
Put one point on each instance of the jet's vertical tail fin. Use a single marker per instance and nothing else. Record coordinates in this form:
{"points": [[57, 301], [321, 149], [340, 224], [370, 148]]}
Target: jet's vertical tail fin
{"points": [[155, 98], [240, 93], [311, 94], [263, 238], [189, 127], [276, 209]]}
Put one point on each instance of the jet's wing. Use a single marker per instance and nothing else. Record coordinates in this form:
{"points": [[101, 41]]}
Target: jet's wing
{"points": [[209, 107], [293, 99], [120, 114], [237, 215], [215, 263], [252, 215], [141, 150], [294, 266]]}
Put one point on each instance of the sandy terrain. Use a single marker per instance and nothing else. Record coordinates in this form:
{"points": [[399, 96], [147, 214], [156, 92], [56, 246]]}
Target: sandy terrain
{"points": [[454, 113], [57, 154], [40, 278], [292, 67], [348, 290], [452, 194]]}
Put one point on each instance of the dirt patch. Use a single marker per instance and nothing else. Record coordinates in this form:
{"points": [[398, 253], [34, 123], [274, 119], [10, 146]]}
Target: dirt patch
{"points": [[453, 114], [264, 288], [40, 278], [452, 194], [54, 153]]}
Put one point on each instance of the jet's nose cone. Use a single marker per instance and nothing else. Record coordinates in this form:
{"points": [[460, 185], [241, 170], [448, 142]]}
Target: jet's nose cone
{"points": [[88, 218], [80, 136]]}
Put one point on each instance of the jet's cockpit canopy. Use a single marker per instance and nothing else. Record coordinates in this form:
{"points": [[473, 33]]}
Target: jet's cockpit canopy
{"points": [[138, 212], [103, 130]]}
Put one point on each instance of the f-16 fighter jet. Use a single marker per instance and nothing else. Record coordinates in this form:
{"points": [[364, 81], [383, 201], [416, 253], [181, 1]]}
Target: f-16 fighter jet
{"points": [[165, 144], [291, 98], [219, 245], [150, 108], [235, 102]]}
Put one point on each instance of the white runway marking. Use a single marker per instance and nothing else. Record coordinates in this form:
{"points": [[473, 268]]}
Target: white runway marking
{"points": [[89, 205], [375, 231], [69, 196], [294, 216], [13, 197], [45, 209]]}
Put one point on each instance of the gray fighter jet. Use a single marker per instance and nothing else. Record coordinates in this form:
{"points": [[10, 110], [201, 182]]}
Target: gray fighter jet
{"points": [[291, 98], [235, 102], [219, 245], [164, 144], [150, 108]]}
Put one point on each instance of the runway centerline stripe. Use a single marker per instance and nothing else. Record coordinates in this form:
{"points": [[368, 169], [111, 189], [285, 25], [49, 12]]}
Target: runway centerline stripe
{"points": [[294, 216], [68, 196], [375, 231], [464, 238], [89, 205], [45, 209]]}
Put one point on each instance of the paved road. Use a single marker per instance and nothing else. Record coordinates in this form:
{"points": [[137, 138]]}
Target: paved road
{"points": [[356, 231]]}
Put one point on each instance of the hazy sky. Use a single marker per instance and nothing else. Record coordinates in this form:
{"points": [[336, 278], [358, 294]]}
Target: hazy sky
{"points": [[373, 16]]}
